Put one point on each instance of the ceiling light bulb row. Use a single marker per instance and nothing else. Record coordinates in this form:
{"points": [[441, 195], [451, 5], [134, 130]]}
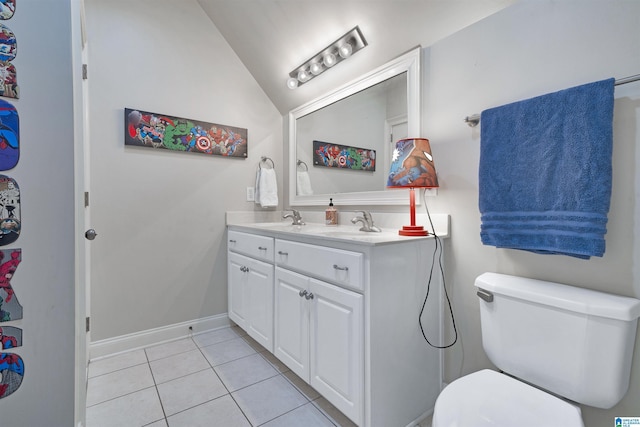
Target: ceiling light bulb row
{"points": [[337, 51]]}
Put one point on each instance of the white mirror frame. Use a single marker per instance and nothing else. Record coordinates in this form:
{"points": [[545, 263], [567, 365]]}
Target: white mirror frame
{"points": [[409, 63]]}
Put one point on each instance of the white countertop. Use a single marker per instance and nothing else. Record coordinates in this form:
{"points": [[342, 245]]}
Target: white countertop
{"points": [[343, 233]]}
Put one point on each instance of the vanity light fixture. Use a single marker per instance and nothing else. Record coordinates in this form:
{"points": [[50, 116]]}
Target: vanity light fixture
{"points": [[412, 166], [336, 52]]}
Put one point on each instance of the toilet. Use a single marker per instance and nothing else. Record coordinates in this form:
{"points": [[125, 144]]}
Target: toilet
{"points": [[556, 346]]}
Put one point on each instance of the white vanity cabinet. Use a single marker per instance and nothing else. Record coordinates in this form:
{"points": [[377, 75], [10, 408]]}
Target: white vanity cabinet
{"points": [[345, 317], [319, 334], [250, 285]]}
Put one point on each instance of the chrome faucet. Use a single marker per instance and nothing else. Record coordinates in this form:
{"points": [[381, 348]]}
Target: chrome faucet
{"points": [[295, 215], [367, 222]]}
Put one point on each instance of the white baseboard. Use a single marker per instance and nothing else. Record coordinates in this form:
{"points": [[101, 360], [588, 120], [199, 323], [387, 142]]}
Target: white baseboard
{"points": [[136, 340]]}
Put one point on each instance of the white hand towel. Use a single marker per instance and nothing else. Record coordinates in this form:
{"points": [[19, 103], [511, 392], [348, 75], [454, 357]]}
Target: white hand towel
{"points": [[303, 184], [266, 194]]}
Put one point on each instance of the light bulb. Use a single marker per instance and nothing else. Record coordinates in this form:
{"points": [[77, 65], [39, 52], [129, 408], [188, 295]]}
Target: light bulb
{"points": [[292, 83], [345, 50], [303, 76], [329, 60], [316, 68]]}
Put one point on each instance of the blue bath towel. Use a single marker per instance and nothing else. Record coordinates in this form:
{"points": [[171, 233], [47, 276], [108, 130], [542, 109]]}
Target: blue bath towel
{"points": [[545, 172]]}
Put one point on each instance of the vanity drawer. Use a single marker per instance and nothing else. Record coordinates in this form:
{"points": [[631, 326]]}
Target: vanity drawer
{"points": [[333, 265], [259, 247]]}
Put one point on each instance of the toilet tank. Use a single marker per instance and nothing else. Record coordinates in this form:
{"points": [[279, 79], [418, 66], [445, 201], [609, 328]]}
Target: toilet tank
{"points": [[571, 341]]}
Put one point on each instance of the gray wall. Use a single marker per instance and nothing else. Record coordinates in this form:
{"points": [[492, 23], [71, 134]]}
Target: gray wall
{"points": [[44, 281], [160, 255], [528, 49]]}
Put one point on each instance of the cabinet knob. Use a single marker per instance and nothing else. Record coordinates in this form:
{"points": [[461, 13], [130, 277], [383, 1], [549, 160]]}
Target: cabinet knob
{"points": [[337, 267], [309, 296], [262, 248], [244, 269], [231, 241], [283, 253], [303, 293]]}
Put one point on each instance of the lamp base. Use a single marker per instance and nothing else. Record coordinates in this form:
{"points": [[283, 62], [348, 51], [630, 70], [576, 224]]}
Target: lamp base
{"points": [[413, 230]]}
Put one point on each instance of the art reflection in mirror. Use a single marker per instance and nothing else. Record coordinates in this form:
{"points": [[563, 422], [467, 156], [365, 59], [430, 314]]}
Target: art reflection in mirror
{"points": [[356, 127], [359, 123]]}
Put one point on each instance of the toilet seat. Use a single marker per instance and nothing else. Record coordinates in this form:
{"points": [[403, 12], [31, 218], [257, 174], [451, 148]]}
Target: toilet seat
{"points": [[489, 398]]}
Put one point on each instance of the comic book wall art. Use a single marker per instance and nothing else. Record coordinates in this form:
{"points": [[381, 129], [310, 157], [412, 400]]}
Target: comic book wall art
{"points": [[9, 210], [343, 156], [11, 365], [161, 131], [7, 9], [10, 308], [9, 136], [8, 50]]}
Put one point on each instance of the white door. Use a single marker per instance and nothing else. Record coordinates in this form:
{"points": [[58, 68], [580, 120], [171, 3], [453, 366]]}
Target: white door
{"points": [[291, 325], [82, 208], [260, 302], [237, 285], [337, 348]]}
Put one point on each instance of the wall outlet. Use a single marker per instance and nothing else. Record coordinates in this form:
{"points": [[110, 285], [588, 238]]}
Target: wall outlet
{"points": [[251, 194]]}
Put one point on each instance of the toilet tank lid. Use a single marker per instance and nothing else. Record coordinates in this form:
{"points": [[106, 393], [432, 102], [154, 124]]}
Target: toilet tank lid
{"points": [[571, 298]]}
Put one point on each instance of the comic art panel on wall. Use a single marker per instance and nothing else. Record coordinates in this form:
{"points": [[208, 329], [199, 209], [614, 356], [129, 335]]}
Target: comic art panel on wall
{"points": [[9, 136], [10, 308], [7, 9], [8, 51], [9, 210], [161, 131], [343, 156]]}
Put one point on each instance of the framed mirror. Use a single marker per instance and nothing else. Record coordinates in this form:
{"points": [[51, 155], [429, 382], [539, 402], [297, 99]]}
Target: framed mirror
{"points": [[340, 145]]}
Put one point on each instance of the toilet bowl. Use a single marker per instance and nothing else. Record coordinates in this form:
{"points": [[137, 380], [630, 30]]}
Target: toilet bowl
{"points": [[557, 346], [489, 398]]}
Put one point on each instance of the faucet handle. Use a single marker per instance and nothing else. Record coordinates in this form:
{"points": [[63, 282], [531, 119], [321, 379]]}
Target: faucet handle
{"points": [[367, 216], [295, 215]]}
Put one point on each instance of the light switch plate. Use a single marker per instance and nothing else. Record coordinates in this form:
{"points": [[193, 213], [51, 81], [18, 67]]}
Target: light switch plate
{"points": [[251, 194]]}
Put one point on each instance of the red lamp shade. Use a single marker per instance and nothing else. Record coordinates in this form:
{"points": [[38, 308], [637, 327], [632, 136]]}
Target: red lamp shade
{"points": [[412, 166]]}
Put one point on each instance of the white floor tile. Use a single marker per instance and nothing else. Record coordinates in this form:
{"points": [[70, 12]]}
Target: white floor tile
{"points": [[114, 363], [118, 383], [170, 349], [268, 399], [244, 372], [133, 410], [189, 391], [307, 416], [247, 386], [227, 351], [178, 366], [219, 412], [217, 336]]}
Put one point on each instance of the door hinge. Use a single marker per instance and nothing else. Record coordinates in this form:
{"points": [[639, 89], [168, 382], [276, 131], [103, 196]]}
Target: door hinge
{"points": [[84, 71], [88, 322], [86, 199]]}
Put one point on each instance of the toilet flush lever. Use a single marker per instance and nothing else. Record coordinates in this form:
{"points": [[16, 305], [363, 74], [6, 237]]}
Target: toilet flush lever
{"points": [[485, 295]]}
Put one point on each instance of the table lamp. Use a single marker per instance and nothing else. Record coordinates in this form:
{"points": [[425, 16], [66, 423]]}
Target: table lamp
{"points": [[412, 167]]}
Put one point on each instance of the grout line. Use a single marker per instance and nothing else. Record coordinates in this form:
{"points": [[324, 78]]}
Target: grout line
{"points": [[119, 396]]}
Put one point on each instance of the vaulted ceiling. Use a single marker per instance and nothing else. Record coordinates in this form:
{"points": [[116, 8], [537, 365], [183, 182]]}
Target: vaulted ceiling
{"points": [[272, 37]]}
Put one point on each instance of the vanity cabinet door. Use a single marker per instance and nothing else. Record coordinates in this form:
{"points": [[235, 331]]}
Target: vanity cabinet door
{"points": [[251, 297], [236, 287], [291, 341], [336, 367], [260, 302]]}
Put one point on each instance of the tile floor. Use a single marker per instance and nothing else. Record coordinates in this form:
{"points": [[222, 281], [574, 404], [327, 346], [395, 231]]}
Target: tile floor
{"points": [[218, 378]]}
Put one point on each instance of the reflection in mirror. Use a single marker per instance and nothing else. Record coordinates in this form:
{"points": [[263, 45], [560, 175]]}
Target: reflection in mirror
{"points": [[366, 116], [364, 121]]}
